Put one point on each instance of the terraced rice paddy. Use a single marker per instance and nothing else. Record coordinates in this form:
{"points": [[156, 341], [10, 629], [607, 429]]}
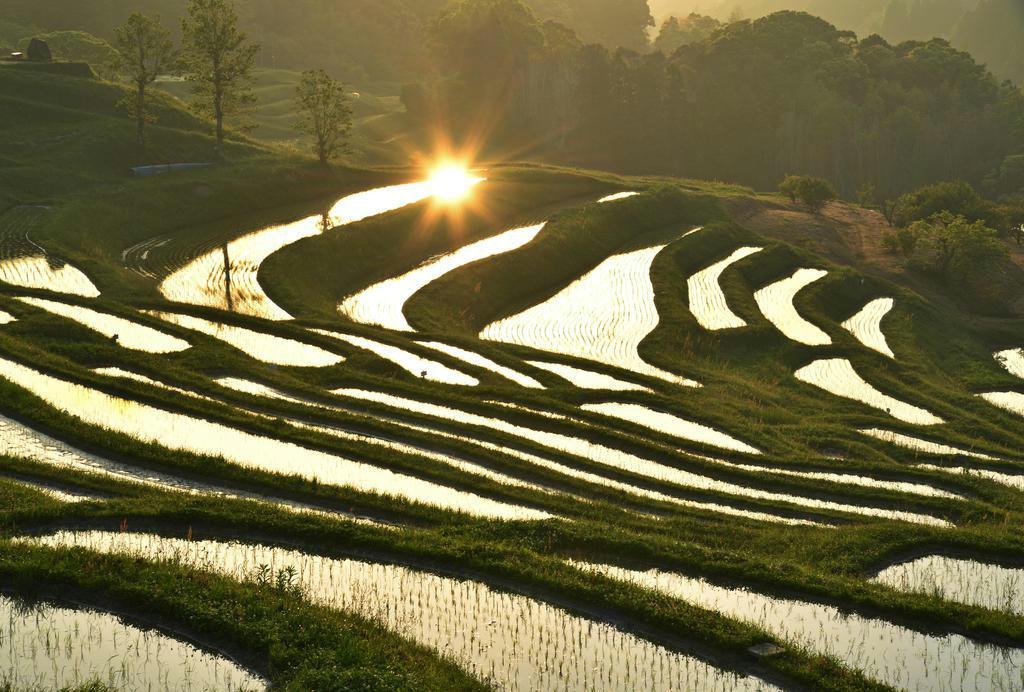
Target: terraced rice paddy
{"points": [[481, 361], [776, 304], [837, 376], [266, 348], [46, 273], [671, 425], [916, 444], [1009, 401], [177, 431], [415, 365], [381, 304], [956, 579], [227, 275], [602, 316], [588, 379], [52, 647], [470, 495], [706, 298], [866, 325], [1012, 360], [516, 642], [124, 332], [624, 461], [891, 654]]}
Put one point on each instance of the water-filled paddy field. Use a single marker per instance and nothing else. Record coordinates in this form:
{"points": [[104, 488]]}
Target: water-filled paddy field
{"points": [[610, 440]]}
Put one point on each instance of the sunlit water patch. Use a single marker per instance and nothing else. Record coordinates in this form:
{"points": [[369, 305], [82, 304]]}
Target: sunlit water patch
{"points": [[1012, 360], [226, 277], [670, 425], [481, 361], [46, 273], [894, 655], [382, 303], [263, 347], [126, 333], [866, 325], [54, 492], [6, 318], [963, 581], [624, 461], [121, 374], [21, 441], [588, 379], [776, 304], [707, 300], [916, 444], [449, 459], [1008, 401], [837, 376], [617, 196], [177, 431], [1009, 480], [415, 365], [44, 646], [603, 316], [511, 641]]}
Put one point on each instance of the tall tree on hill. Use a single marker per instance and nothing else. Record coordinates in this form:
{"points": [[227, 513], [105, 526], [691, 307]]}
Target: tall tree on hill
{"points": [[219, 60], [145, 52], [325, 113]]}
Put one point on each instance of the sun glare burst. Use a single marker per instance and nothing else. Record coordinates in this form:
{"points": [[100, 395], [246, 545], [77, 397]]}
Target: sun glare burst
{"points": [[452, 182]]}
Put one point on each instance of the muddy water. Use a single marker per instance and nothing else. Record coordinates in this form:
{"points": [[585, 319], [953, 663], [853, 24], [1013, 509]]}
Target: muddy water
{"points": [[866, 325], [126, 333], [226, 277], [1008, 401], [511, 641], [263, 347], [670, 425], [624, 461], [706, 298], [481, 361], [588, 379], [177, 431], [49, 647], [602, 316], [1012, 360], [382, 303], [776, 304], [918, 445], [415, 365], [960, 580], [837, 376], [897, 656]]}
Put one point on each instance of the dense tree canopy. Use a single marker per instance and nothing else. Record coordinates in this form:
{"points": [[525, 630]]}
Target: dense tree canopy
{"points": [[993, 34]]}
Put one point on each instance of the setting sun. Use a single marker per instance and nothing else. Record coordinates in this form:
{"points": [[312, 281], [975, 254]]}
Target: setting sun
{"points": [[452, 182]]}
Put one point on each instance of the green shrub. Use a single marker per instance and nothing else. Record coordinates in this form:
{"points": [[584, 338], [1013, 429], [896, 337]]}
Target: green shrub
{"points": [[813, 193]]}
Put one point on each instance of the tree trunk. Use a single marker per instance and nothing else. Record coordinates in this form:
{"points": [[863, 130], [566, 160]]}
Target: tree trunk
{"points": [[140, 117]]}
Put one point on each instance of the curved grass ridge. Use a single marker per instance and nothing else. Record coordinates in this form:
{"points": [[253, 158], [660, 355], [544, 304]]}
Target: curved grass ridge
{"points": [[918, 445], [415, 365], [1008, 401], [457, 617], [588, 379], [481, 361]]}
